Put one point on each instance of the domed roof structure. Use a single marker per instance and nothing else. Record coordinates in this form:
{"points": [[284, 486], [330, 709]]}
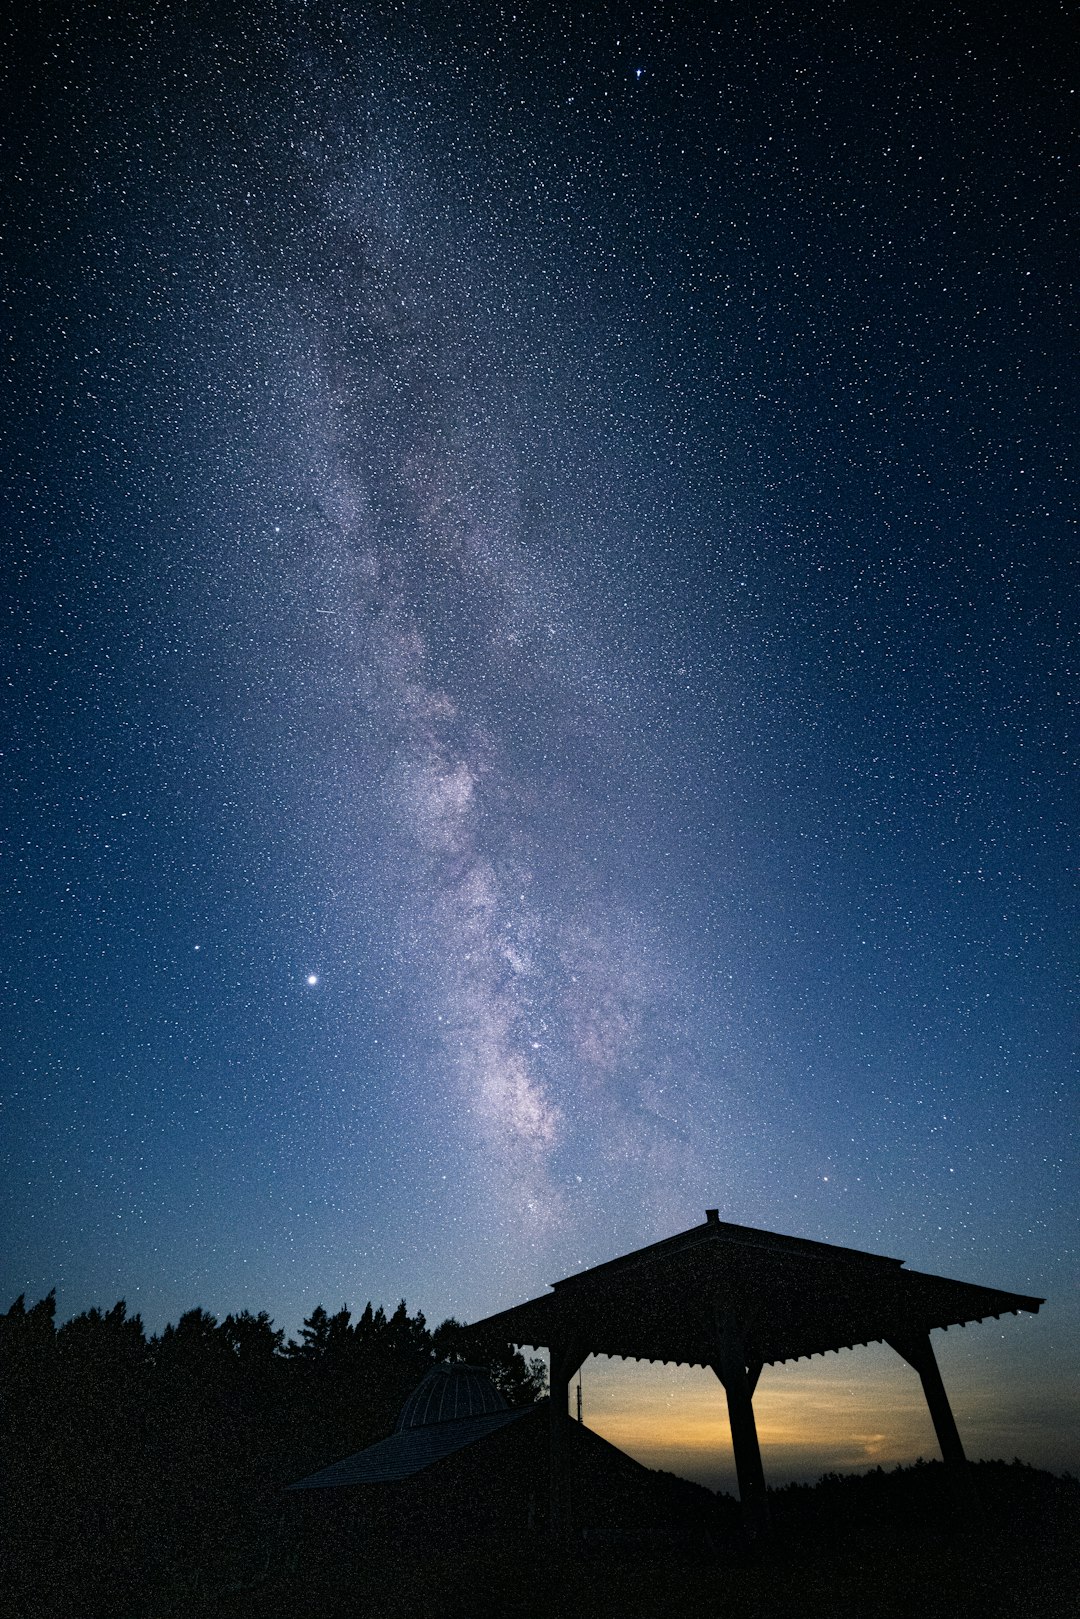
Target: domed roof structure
{"points": [[452, 1406], [450, 1391]]}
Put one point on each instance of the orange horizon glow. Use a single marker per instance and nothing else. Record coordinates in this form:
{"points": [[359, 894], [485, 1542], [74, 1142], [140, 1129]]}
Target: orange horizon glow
{"points": [[840, 1413]]}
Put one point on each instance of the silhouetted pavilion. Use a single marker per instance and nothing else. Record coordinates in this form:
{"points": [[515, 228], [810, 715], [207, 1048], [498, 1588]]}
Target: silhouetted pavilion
{"points": [[736, 1299]]}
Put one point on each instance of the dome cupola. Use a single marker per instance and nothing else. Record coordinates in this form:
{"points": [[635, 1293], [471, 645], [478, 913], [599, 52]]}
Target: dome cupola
{"points": [[449, 1391]]}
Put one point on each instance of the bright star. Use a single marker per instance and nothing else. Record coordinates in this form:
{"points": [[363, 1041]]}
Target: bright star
{"points": [[312, 979]]}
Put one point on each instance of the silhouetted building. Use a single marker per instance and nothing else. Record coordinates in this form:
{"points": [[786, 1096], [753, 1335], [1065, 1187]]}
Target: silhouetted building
{"points": [[460, 1464], [454, 1406], [737, 1299]]}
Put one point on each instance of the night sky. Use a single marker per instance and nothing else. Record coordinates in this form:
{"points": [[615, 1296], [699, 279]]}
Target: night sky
{"points": [[536, 635]]}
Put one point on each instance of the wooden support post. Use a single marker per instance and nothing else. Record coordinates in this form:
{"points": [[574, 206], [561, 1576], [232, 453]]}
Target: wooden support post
{"points": [[740, 1379], [564, 1358], [918, 1351]]}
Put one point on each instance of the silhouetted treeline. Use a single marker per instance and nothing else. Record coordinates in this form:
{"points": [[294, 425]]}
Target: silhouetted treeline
{"points": [[135, 1464]]}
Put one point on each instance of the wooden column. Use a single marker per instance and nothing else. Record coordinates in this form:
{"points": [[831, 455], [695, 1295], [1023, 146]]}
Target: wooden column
{"points": [[740, 1379], [918, 1351], [564, 1358]]}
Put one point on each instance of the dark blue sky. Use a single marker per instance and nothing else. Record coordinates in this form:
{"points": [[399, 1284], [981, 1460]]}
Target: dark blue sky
{"points": [[554, 527]]}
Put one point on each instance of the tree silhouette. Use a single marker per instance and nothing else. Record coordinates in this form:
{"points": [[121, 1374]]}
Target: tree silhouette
{"points": [[135, 1465]]}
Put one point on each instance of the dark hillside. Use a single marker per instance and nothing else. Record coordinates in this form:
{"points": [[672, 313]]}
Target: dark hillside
{"points": [[883, 1546]]}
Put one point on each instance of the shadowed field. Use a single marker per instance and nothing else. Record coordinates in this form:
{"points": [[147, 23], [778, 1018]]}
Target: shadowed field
{"points": [[889, 1544]]}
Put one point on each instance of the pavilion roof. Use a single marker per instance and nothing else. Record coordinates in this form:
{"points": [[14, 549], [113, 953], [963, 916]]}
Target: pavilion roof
{"points": [[790, 1297]]}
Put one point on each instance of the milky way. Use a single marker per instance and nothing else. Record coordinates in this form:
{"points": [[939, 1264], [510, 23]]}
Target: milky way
{"points": [[494, 708]]}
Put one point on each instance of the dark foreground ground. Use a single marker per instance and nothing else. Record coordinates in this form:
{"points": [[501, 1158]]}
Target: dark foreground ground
{"points": [[895, 1544]]}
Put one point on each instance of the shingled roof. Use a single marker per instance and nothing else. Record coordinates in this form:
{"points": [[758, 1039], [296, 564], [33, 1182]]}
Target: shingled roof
{"points": [[791, 1296]]}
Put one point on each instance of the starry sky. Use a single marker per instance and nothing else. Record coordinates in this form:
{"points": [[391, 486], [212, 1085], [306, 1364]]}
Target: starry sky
{"points": [[537, 643]]}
